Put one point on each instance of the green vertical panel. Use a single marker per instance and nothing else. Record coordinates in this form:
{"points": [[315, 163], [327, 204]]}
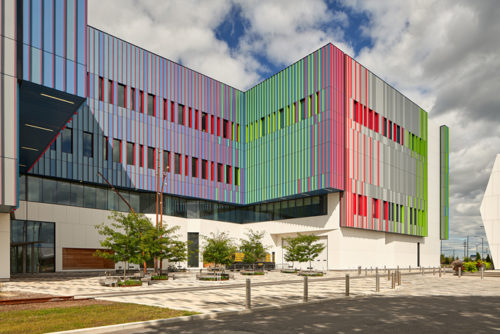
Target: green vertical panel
{"points": [[444, 182]]}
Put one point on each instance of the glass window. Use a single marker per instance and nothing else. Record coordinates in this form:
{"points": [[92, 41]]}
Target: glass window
{"points": [[121, 95], [105, 148], [212, 124], [177, 163], [110, 91], [76, 194], [132, 98], [151, 158], [101, 199], [180, 114], [141, 156], [204, 169], [303, 108], [117, 146], [196, 116], [141, 100], [22, 187], [89, 197], [212, 171], [194, 167], [151, 105], [172, 111], [193, 249], [228, 174], [165, 109], [166, 161], [225, 129], [63, 193], [49, 191], [34, 189], [204, 120], [236, 176], [262, 126], [220, 173], [130, 153], [101, 89], [190, 117], [218, 126], [282, 119], [186, 165], [67, 140], [88, 144]]}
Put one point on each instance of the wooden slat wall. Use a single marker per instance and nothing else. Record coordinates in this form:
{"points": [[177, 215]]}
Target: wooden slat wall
{"points": [[83, 258]]}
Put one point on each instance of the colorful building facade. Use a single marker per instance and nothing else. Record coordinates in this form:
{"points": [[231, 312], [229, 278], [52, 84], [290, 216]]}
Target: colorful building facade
{"points": [[324, 144]]}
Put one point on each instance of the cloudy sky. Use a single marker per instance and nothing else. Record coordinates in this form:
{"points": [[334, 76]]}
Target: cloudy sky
{"points": [[444, 55]]}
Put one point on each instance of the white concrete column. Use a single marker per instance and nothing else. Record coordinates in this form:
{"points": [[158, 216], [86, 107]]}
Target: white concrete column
{"points": [[4, 246]]}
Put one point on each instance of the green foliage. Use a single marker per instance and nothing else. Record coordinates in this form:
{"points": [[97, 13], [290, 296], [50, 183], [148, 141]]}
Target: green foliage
{"points": [[446, 259], [128, 238], [303, 248], [488, 258], [159, 277], [252, 247], [467, 259], [478, 256], [167, 247], [470, 266], [218, 249], [129, 282]]}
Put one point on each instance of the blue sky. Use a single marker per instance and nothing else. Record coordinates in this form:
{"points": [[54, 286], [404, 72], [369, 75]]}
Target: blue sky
{"points": [[442, 54]]}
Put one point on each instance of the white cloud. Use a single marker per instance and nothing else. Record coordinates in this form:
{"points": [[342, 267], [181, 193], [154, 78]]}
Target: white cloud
{"points": [[182, 31], [444, 56]]}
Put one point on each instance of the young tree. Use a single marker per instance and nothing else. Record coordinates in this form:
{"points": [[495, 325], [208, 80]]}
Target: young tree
{"points": [[168, 247], [218, 249], [304, 248], [252, 247], [127, 239]]}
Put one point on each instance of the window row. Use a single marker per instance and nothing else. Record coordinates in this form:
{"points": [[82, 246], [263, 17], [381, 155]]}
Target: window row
{"points": [[178, 112], [370, 119], [391, 211], [277, 120], [62, 192]]}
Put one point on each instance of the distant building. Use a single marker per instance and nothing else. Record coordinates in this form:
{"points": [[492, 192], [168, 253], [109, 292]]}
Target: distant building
{"points": [[323, 147], [490, 212]]}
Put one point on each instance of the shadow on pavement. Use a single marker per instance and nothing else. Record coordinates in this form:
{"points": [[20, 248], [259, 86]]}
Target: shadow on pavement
{"points": [[436, 314]]}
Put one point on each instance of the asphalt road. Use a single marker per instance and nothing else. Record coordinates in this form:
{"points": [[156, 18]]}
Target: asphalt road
{"points": [[409, 314]]}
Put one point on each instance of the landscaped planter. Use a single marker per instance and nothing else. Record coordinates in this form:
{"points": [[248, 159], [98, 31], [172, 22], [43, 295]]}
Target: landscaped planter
{"points": [[311, 273], [129, 283], [251, 272], [159, 278], [213, 277], [289, 271]]}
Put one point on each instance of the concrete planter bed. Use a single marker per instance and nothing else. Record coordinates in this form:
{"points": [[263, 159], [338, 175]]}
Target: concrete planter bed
{"points": [[250, 272], [213, 277], [289, 271], [311, 273], [129, 283]]}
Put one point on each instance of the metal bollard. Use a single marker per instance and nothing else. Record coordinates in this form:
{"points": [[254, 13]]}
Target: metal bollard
{"points": [[377, 282], [371, 270], [359, 270], [347, 285], [306, 290], [393, 282], [385, 269], [376, 270], [422, 269], [248, 295], [482, 271], [459, 271], [433, 271], [439, 271], [389, 274], [397, 268], [409, 268], [366, 271], [399, 277]]}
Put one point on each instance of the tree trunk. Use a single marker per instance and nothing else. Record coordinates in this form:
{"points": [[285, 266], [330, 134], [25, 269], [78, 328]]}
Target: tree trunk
{"points": [[145, 268], [125, 270]]}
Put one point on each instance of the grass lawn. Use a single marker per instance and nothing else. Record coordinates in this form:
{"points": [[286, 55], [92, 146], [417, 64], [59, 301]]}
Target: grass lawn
{"points": [[65, 318]]}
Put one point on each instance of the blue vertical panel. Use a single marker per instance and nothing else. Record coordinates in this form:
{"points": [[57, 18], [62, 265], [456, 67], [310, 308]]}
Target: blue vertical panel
{"points": [[48, 26], [36, 68], [59, 27], [70, 29], [26, 62], [59, 73], [36, 23], [47, 69], [70, 76], [81, 28], [26, 22], [80, 79]]}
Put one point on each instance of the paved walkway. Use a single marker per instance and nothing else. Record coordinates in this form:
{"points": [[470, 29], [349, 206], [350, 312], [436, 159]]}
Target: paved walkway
{"points": [[381, 314], [205, 297]]}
